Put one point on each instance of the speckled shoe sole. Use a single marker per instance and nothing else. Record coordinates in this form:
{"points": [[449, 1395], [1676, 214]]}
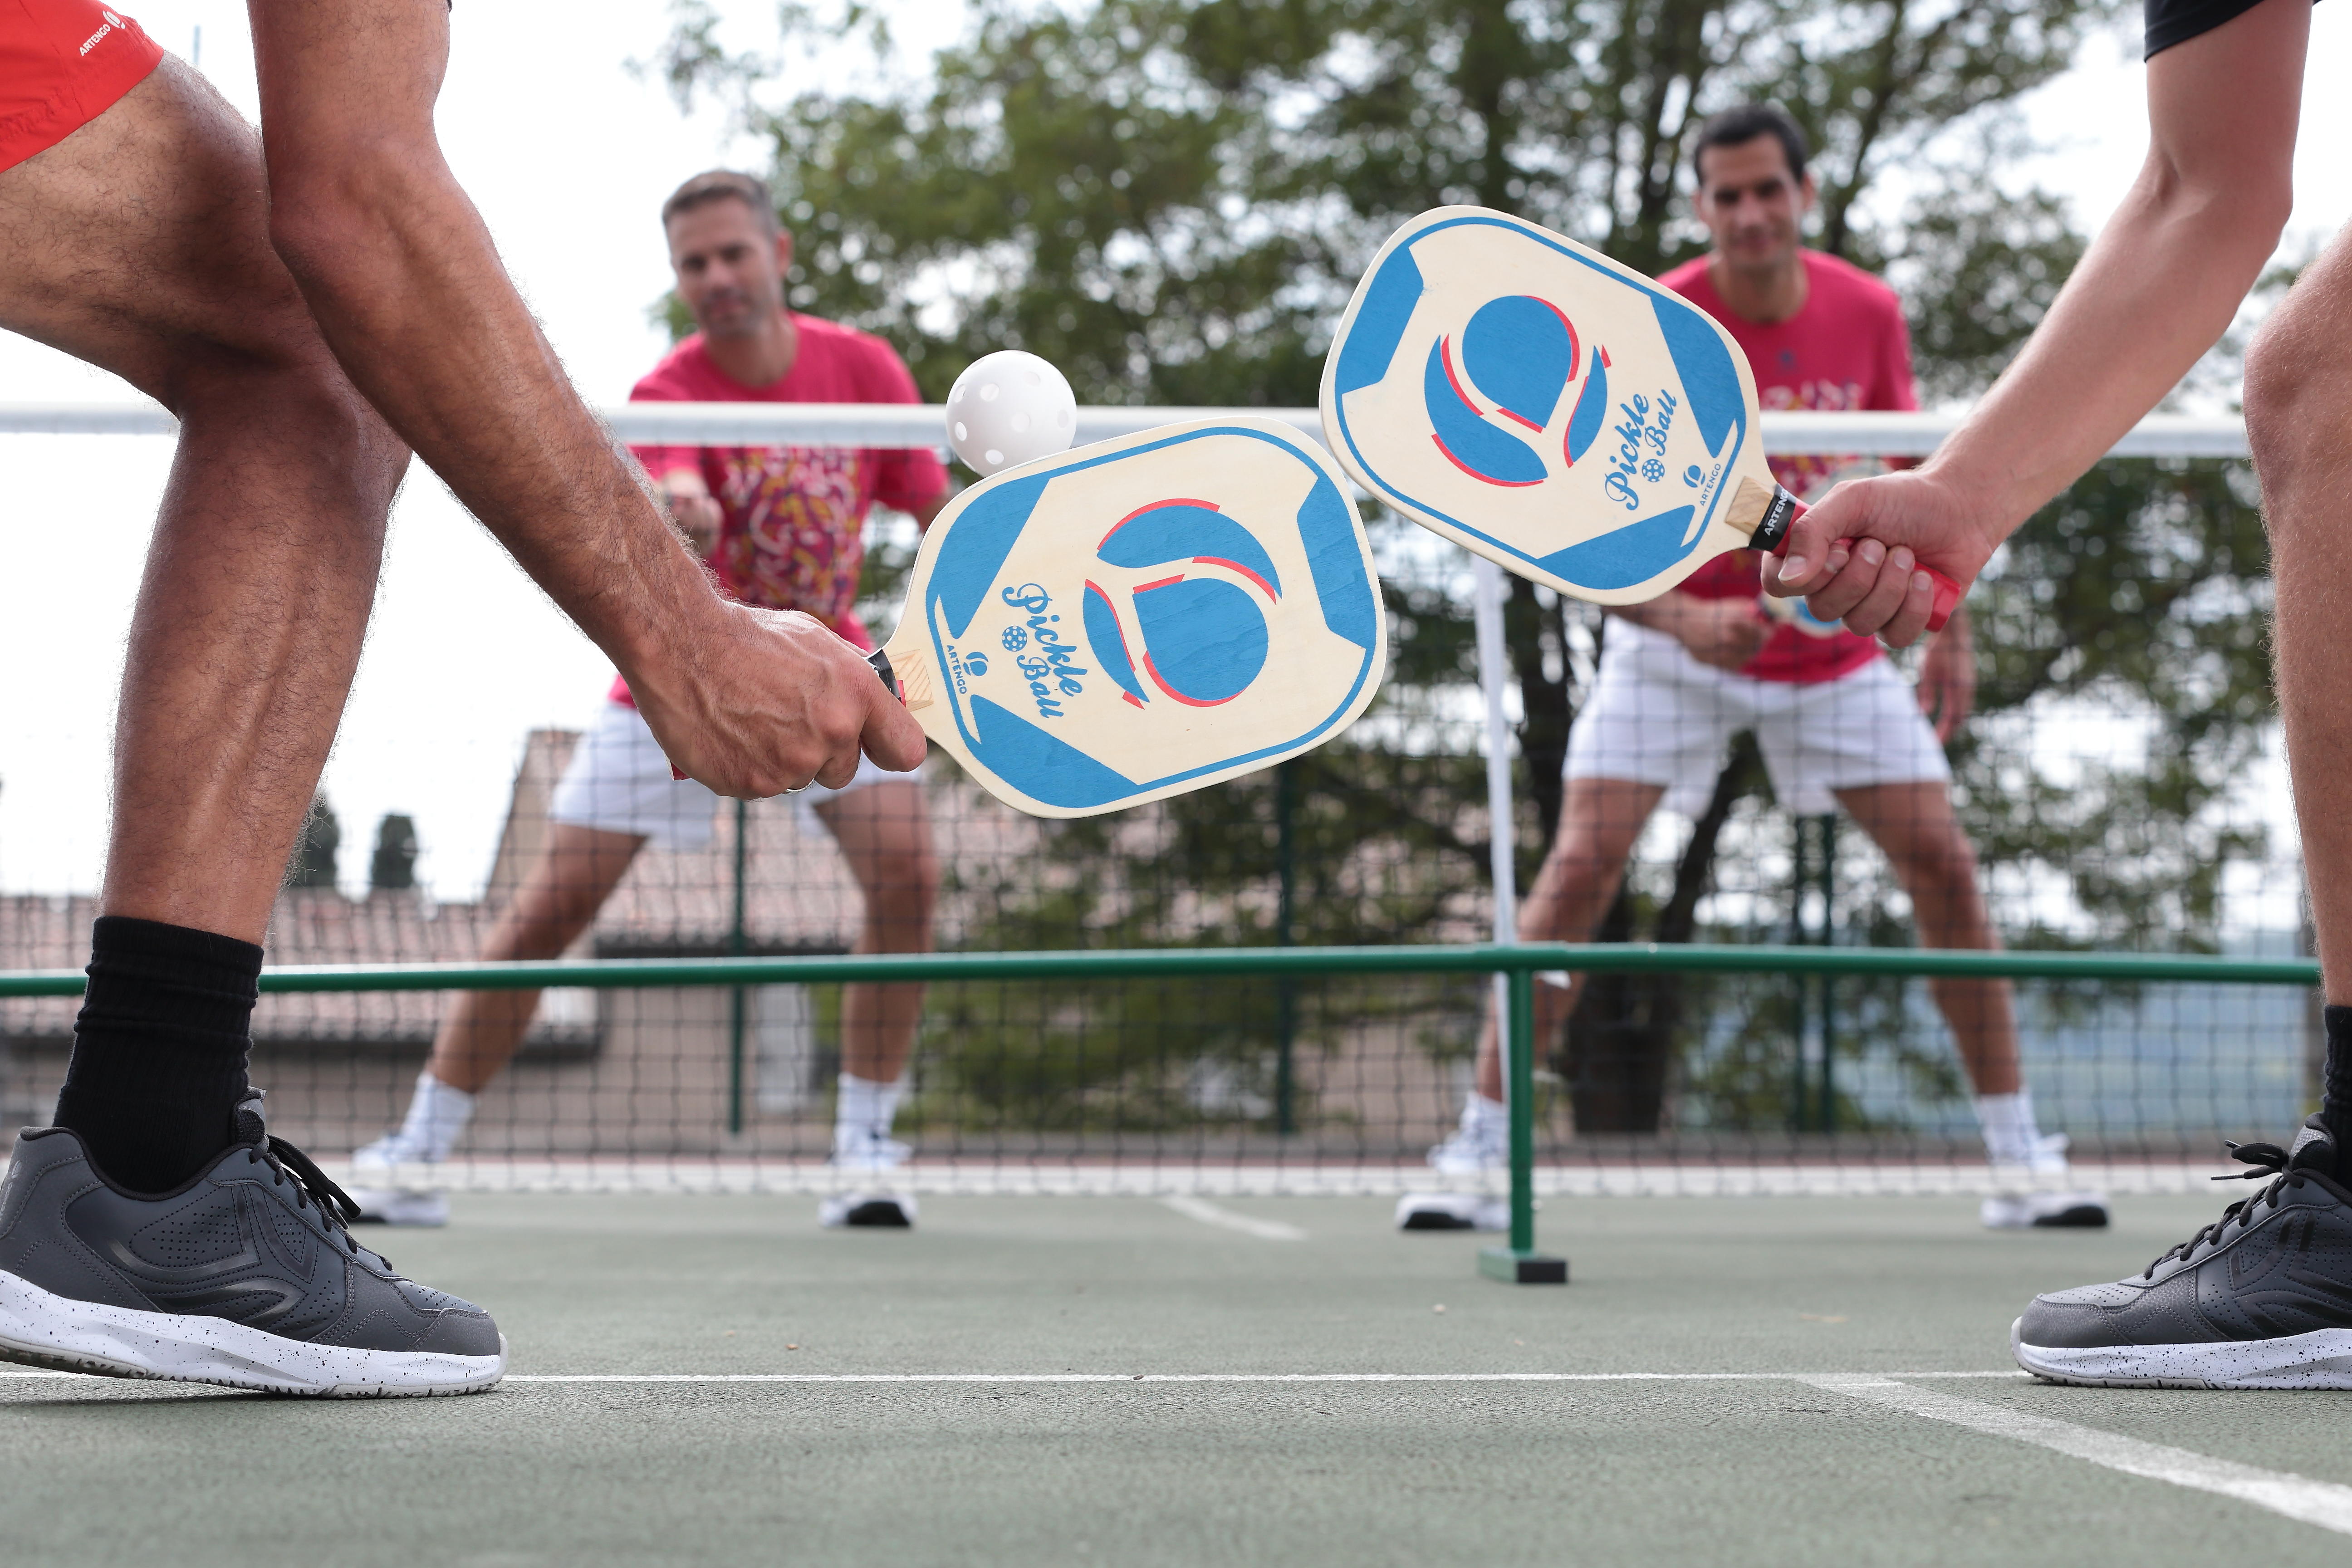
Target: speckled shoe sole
{"points": [[2321, 1359], [39, 1329]]}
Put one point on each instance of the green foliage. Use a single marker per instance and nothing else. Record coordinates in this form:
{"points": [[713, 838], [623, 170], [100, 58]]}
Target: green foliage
{"points": [[2142, 592], [392, 867]]}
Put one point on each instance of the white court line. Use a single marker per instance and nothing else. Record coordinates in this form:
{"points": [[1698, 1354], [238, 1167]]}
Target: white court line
{"points": [[8, 1372], [2323, 1504], [1208, 1213]]}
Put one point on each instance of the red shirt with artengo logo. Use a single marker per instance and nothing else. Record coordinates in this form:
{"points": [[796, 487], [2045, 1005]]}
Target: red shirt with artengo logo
{"points": [[792, 519], [1847, 348], [63, 63]]}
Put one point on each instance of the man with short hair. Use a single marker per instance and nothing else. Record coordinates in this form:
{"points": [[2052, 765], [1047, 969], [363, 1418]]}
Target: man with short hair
{"points": [[1681, 673], [312, 302], [781, 528], [2262, 1297]]}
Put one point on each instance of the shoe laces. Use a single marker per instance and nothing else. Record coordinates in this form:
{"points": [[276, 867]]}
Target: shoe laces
{"points": [[311, 1185], [2268, 1159]]}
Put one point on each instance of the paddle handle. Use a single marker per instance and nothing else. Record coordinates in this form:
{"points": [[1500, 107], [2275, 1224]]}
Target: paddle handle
{"points": [[1771, 535]]}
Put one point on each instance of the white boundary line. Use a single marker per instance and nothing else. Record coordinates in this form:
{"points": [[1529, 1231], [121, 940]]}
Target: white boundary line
{"points": [[2323, 1504], [1208, 1213], [825, 1377], [788, 1175]]}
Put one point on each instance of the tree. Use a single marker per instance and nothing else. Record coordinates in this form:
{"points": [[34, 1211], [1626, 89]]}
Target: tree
{"points": [[1172, 198], [392, 867]]}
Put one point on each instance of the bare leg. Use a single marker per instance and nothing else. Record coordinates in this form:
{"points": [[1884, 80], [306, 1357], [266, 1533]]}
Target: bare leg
{"points": [[1914, 823], [885, 833], [558, 899], [141, 243], [2299, 421], [1599, 821]]}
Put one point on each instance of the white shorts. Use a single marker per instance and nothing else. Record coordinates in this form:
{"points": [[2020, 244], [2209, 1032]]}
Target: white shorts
{"points": [[1658, 716], [619, 781]]}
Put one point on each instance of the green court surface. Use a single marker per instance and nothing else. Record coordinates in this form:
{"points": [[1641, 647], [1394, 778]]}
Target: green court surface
{"points": [[1038, 1381]]}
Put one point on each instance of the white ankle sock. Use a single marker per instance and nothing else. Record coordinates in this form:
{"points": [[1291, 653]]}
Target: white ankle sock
{"points": [[865, 1108], [1480, 1114], [438, 1117], [2009, 1134]]}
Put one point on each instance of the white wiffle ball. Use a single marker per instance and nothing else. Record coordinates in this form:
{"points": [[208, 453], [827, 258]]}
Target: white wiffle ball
{"points": [[1008, 408]]}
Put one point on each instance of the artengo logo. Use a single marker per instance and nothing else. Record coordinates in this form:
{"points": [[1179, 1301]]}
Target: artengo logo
{"points": [[112, 22]]}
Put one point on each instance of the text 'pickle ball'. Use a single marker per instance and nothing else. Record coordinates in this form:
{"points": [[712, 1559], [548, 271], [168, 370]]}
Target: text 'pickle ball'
{"points": [[1009, 407]]}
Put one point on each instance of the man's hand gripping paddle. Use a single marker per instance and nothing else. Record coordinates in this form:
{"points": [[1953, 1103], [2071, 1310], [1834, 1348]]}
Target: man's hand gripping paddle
{"points": [[1561, 415], [1142, 617]]}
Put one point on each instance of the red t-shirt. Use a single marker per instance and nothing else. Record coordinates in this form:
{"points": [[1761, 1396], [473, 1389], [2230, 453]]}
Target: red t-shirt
{"points": [[1847, 348], [792, 519]]}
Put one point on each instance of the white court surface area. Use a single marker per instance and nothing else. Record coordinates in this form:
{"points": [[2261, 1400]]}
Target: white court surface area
{"points": [[711, 1378]]}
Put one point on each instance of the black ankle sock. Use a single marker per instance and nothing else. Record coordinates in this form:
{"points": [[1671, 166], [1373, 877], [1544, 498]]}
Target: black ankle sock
{"points": [[159, 1051]]}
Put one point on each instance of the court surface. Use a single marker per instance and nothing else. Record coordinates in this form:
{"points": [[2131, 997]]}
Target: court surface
{"points": [[1043, 1381]]}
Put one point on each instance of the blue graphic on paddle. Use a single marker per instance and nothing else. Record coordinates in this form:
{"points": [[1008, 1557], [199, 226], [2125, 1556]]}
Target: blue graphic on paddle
{"points": [[1144, 616]]}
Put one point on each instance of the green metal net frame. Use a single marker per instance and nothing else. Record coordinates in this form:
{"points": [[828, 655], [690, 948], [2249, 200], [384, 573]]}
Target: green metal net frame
{"points": [[1520, 1262]]}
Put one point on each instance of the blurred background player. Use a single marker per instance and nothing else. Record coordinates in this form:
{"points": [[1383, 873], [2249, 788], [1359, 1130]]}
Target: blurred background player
{"points": [[1837, 726], [781, 527]]}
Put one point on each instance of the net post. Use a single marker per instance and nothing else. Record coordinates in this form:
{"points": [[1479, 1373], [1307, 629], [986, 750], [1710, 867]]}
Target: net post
{"points": [[1521, 1263], [1285, 1082], [737, 945]]}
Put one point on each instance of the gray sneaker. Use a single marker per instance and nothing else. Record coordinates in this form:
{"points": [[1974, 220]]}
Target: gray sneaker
{"points": [[246, 1277], [2260, 1298]]}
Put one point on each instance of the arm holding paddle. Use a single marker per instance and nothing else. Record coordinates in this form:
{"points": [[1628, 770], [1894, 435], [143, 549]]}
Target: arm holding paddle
{"points": [[2156, 290]]}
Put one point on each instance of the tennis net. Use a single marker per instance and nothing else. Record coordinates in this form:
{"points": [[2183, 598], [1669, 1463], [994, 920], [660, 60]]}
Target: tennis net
{"points": [[2119, 782]]}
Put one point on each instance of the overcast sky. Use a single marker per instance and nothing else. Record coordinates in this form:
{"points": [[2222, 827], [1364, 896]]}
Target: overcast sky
{"points": [[568, 156]]}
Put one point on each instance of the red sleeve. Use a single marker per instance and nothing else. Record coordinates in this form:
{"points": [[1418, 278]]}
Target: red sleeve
{"points": [[661, 461], [906, 477]]}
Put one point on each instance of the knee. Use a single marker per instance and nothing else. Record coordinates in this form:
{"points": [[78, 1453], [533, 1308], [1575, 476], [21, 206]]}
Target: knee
{"points": [[293, 404], [906, 897], [1940, 875], [2298, 397]]}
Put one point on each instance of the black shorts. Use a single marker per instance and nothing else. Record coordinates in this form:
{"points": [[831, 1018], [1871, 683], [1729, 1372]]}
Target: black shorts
{"points": [[2171, 22]]}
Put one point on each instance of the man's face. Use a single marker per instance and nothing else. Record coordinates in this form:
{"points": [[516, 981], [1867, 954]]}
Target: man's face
{"points": [[1752, 203], [731, 269]]}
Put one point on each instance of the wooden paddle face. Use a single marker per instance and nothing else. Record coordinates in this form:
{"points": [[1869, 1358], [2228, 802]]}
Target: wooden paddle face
{"points": [[1142, 617], [1550, 409]]}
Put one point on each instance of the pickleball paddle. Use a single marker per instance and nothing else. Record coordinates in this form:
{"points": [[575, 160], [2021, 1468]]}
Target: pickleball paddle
{"points": [[1561, 415], [1142, 617]]}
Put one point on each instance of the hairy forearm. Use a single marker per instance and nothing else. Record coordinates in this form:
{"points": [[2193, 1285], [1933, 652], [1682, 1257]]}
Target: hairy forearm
{"points": [[409, 292], [2156, 290], [2165, 277], [399, 271]]}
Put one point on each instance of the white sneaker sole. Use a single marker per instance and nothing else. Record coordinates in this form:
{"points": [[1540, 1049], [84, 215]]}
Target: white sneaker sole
{"points": [[2048, 1211], [40, 1329], [2320, 1359], [384, 1206], [1452, 1211]]}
